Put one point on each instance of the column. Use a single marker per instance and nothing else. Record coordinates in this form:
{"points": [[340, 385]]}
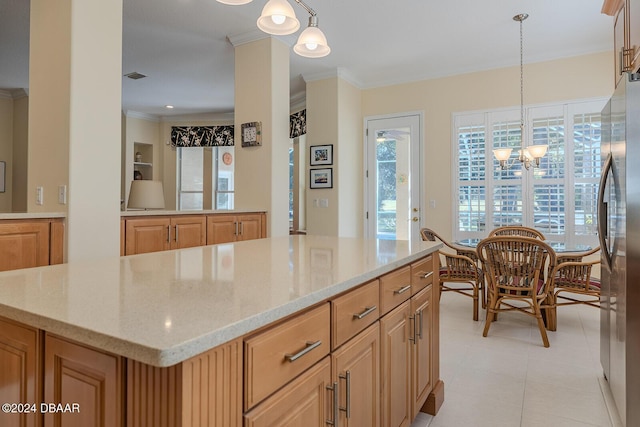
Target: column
{"points": [[75, 85]]}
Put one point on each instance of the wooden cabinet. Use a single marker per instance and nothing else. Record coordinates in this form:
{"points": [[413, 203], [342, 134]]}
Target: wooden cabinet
{"points": [[395, 363], [353, 312], [421, 369], [30, 243], [153, 234], [86, 382], [20, 375], [356, 371], [225, 228], [277, 355], [203, 391], [626, 35], [306, 401], [395, 287]]}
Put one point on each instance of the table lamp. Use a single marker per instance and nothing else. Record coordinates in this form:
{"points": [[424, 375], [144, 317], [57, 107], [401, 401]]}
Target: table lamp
{"points": [[146, 194]]}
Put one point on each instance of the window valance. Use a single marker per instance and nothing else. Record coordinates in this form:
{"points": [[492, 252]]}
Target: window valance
{"points": [[201, 136]]}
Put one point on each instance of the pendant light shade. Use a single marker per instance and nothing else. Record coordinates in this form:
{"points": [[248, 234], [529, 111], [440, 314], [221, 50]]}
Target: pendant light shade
{"points": [[312, 42], [235, 2], [278, 18]]}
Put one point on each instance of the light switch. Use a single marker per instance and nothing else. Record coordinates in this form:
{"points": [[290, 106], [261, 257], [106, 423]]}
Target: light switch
{"points": [[39, 195], [62, 194], [432, 203], [324, 203]]}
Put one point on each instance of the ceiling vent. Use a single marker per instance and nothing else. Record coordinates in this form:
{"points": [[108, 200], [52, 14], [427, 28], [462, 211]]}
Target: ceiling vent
{"points": [[135, 75]]}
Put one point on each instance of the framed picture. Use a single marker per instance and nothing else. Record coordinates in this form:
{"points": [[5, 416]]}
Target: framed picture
{"points": [[321, 155], [321, 178], [2, 175]]}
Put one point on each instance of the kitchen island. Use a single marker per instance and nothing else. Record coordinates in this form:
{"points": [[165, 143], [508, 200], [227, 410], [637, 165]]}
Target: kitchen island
{"points": [[225, 335]]}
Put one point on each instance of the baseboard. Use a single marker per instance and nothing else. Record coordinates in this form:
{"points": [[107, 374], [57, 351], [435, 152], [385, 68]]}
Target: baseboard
{"points": [[612, 410]]}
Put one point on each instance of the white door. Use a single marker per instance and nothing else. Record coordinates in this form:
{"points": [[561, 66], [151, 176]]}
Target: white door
{"points": [[392, 177]]}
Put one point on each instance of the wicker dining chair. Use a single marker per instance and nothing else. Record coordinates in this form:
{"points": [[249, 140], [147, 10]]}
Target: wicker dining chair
{"points": [[517, 230], [461, 267], [572, 284], [514, 270]]}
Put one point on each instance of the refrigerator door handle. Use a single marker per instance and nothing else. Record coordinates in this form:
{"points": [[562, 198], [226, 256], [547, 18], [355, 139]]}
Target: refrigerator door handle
{"points": [[602, 211]]}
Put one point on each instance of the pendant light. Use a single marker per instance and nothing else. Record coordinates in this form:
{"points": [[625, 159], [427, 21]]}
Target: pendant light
{"points": [[532, 153], [278, 18], [312, 42]]}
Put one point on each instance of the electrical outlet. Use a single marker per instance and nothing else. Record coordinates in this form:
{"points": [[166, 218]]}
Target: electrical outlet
{"points": [[432, 203]]}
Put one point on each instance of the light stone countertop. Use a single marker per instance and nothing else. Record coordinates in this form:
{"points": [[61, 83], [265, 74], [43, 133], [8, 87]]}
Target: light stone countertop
{"points": [[165, 307], [159, 212], [32, 215]]}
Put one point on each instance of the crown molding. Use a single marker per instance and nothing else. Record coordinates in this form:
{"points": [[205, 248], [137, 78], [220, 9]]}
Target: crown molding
{"points": [[13, 93], [298, 102], [336, 72], [143, 116], [255, 35], [200, 117]]}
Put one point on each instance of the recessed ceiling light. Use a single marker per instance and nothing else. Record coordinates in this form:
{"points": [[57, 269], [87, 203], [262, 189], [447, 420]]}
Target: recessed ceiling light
{"points": [[168, 106]]}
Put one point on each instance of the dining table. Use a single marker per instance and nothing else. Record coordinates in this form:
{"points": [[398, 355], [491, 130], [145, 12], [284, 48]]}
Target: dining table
{"points": [[557, 246]]}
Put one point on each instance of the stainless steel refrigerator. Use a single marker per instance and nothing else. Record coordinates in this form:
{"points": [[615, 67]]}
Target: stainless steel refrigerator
{"points": [[619, 233]]}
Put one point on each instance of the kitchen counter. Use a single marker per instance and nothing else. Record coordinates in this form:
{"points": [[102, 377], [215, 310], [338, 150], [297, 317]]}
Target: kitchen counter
{"points": [[165, 307], [158, 212], [32, 215]]}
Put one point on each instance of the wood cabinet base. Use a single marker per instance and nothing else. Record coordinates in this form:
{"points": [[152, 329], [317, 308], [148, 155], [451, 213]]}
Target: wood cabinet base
{"points": [[435, 399]]}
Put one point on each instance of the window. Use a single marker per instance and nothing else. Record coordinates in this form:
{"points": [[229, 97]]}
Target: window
{"points": [[558, 198], [195, 169]]}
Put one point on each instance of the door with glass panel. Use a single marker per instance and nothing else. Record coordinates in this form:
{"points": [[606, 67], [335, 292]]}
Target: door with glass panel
{"points": [[393, 177]]}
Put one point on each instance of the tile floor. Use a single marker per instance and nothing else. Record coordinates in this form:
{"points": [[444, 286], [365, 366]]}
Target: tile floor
{"points": [[509, 379]]}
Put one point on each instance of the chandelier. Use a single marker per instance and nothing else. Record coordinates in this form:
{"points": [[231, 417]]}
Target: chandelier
{"points": [[278, 18], [533, 153]]}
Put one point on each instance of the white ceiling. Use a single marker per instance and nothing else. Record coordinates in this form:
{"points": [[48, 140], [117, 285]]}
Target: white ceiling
{"points": [[183, 46]]}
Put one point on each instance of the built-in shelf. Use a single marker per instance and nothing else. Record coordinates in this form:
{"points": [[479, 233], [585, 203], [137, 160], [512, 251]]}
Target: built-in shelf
{"points": [[145, 166]]}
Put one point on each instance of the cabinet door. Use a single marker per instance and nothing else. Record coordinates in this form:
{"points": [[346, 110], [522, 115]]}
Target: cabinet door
{"points": [[421, 350], [24, 244], [306, 401], [188, 231], [147, 235], [221, 229], [356, 368], [395, 362], [249, 227], [75, 374], [20, 376], [633, 19]]}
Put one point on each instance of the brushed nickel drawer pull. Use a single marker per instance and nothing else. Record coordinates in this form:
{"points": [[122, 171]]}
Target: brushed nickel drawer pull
{"points": [[427, 275], [421, 321], [310, 346], [336, 403], [168, 233], [367, 310], [347, 378], [402, 290], [412, 319]]}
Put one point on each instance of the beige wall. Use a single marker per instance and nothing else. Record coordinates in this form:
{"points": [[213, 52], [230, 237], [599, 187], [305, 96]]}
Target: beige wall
{"points": [[20, 153], [143, 130], [6, 148], [561, 80]]}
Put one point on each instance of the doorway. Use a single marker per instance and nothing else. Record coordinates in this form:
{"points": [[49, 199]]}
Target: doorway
{"points": [[393, 177]]}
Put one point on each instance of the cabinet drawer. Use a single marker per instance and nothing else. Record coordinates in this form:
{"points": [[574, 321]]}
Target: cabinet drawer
{"points": [[276, 356], [353, 312], [395, 287], [421, 274]]}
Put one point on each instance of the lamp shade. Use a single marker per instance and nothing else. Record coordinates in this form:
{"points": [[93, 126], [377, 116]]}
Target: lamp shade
{"points": [[537, 151], [502, 154], [235, 2], [146, 194], [312, 43], [278, 18]]}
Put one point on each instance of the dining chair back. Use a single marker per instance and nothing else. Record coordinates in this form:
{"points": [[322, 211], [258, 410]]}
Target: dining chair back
{"points": [[514, 270], [517, 230], [460, 267]]}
